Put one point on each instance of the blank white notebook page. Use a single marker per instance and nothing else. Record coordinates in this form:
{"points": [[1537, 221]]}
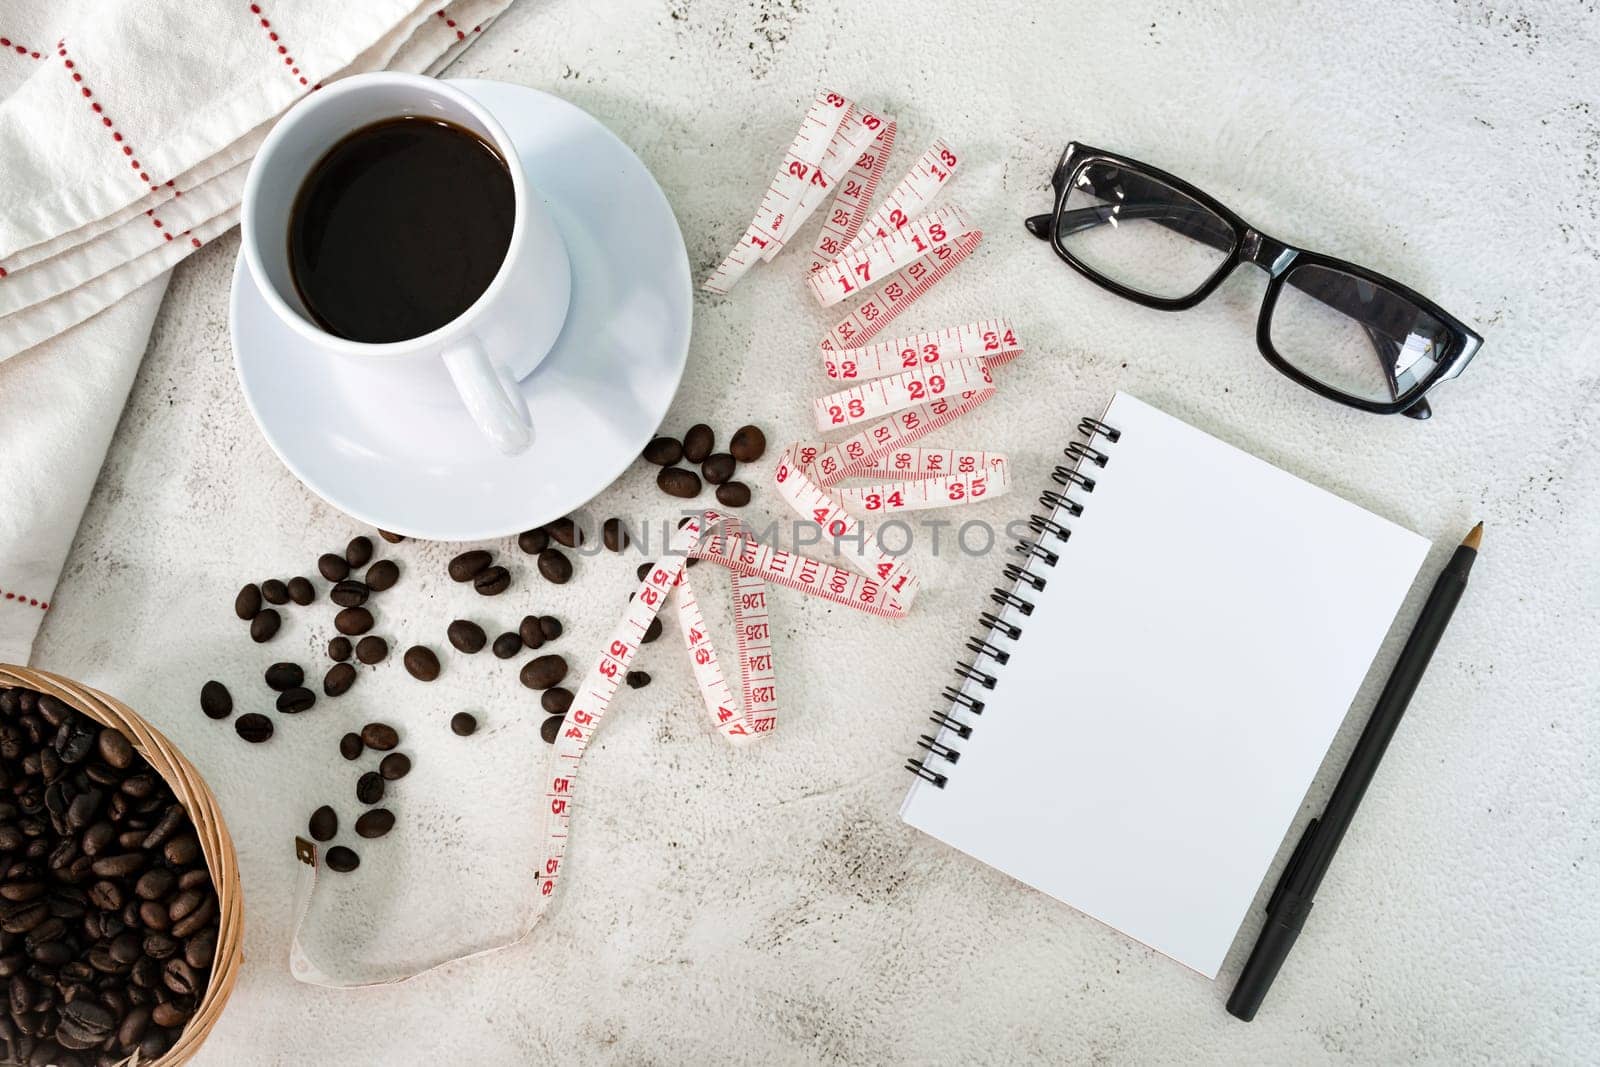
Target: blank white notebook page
{"points": [[1166, 706]]}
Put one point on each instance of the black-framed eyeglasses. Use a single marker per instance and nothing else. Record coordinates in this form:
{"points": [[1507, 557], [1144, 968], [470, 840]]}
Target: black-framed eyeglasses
{"points": [[1337, 328]]}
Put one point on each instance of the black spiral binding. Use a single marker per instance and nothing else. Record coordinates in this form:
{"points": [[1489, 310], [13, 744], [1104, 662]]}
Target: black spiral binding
{"points": [[1072, 478]]}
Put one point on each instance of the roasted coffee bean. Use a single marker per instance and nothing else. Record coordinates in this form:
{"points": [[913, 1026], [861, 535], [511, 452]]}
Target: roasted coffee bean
{"points": [[556, 700], [180, 978], [106, 895], [282, 676], [339, 648], [123, 863], [492, 581], [183, 904], [125, 947], [341, 859], [154, 884], [532, 636], [264, 627], [372, 650], [643, 569], [168, 1013], [349, 593], [533, 541], [565, 531], [615, 535], [358, 551], [324, 824], [421, 663], [663, 451], [466, 636], [369, 787], [351, 746], [463, 724], [698, 443], [379, 736], [733, 494], [353, 621], [181, 850], [466, 566], [718, 468], [375, 823], [383, 575], [748, 444], [338, 680], [550, 627], [115, 748], [675, 481], [200, 950], [294, 701], [542, 672], [196, 921], [253, 728], [215, 700], [301, 591], [652, 631], [334, 568], [551, 728], [275, 591], [555, 566], [248, 602], [507, 645], [170, 822], [637, 679], [394, 766]]}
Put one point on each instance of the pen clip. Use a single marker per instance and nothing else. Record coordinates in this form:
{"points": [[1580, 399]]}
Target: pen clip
{"points": [[1296, 858]]}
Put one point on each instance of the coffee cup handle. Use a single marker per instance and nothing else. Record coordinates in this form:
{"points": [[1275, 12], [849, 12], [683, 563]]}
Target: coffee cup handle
{"points": [[491, 395]]}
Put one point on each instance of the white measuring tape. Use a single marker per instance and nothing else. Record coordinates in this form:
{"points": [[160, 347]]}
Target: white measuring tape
{"points": [[895, 392]]}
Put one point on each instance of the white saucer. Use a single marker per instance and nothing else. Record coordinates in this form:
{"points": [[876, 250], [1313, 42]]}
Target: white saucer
{"points": [[416, 464]]}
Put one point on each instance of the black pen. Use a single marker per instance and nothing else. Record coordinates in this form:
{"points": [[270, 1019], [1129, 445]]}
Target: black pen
{"points": [[1290, 902]]}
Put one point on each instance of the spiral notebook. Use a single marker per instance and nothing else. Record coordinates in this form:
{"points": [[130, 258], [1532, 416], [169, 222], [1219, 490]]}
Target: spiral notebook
{"points": [[1167, 662]]}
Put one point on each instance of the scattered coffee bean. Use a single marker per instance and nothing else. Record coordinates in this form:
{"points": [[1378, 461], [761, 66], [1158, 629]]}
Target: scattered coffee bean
{"points": [[507, 645], [357, 552], [421, 663], [466, 636], [530, 633], [675, 481], [281, 676], [301, 591], [275, 591], [614, 535], [652, 631], [555, 566], [339, 648], [333, 567], [382, 575], [542, 672], [264, 627], [394, 766], [248, 602], [215, 700], [643, 569], [463, 724], [372, 650], [663, 451], [338, 680], [253, 727], [698, 443], [551, 728], [565, 531], [369, 787], [379, 736], [324, 823], [339, 858], [718, 468], [550, 627], [492, 581], [375, 823], [556, 701], [466, 566], [748, 444], [637, 679], [392, 538], [351, 746], [733, 494], [533, 541], [349, 593], [294, 701], [353, 621]]}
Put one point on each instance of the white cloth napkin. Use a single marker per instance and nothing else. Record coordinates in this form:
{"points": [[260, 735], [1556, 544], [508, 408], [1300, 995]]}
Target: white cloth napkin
{"points": [[126, 128]]}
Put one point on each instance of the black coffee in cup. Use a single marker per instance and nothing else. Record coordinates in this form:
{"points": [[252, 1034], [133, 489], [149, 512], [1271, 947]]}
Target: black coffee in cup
{"points": [[399, 228]]}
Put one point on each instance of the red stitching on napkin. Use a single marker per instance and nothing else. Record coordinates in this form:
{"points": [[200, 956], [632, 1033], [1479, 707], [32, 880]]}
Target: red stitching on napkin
{"points": [[105, 120], [20, 49], [282, 49], [33, 602], [450, 22]]}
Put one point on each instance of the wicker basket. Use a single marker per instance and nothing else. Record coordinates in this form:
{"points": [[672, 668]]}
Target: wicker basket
{"points": [[197, 799]]}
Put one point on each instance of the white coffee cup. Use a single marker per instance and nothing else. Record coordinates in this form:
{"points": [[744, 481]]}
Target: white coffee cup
{"points": [[490, 346]]}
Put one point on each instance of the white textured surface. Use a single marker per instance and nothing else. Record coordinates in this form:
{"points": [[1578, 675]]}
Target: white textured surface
{"points": [[768, 906]]}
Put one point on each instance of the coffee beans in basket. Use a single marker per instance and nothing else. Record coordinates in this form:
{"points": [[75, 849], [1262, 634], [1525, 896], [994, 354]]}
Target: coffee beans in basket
{"points": [[108, 919]]}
